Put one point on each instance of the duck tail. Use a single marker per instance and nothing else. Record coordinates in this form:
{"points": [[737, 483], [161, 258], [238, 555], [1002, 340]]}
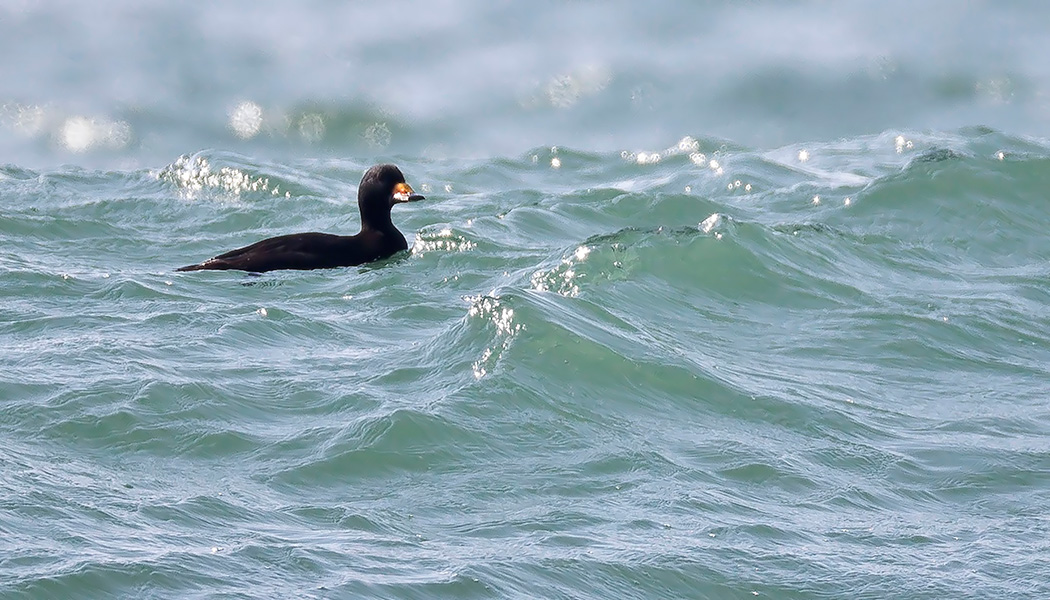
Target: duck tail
{"points": [[198, 267]]}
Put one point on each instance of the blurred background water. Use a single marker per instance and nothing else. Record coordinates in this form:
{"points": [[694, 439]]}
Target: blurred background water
{"points": [[707, 300]]}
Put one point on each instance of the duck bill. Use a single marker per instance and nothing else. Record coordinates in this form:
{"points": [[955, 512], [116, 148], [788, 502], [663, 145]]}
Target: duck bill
{"points": [[404, 193]]}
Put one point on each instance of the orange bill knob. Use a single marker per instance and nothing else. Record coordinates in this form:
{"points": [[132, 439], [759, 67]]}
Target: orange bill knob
{"points": [[404, 193]]}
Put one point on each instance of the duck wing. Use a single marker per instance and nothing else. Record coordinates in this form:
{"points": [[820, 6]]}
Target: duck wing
{"points": [[294, 251]]}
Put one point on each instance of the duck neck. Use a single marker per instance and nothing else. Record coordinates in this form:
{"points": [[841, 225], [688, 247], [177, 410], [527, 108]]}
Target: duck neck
{"points": [[375, 218]]}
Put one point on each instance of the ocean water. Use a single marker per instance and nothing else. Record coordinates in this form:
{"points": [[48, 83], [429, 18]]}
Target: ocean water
{"points": [[706, 300]]}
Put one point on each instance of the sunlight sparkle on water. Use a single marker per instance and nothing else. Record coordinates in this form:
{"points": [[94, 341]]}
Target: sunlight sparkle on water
{"points": [[312, 127], [568, 88], [378, 135], [645, 158], [490, 308], [562, 279], [193, 175], [77, 134], [27, 120], [246, 120], [688, 144], [81, 133], [708, 224], [444, 239]]}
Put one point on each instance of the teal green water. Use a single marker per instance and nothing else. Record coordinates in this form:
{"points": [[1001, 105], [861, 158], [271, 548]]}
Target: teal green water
{"points": [[638, 349]]}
